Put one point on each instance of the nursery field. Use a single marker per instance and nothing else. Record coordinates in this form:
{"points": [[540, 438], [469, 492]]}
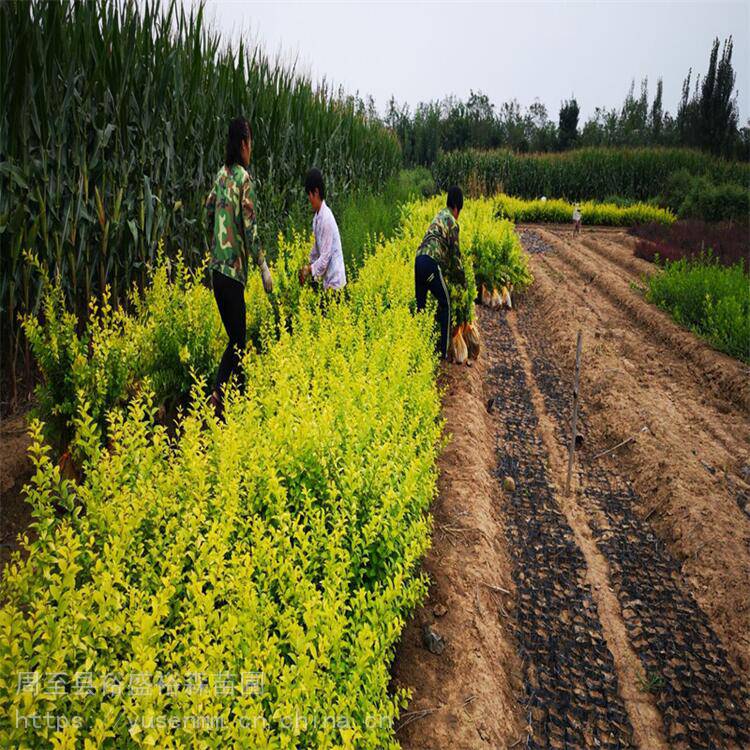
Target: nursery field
{"points": [[253, 596], [351, 565], [368, 548]]}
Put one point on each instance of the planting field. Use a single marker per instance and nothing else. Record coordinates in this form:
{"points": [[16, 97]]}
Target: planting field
{"points": [[289, 547], [362, 544], [615, 616]]}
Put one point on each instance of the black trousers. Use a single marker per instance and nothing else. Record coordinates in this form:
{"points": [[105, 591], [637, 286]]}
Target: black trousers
{"points": [[429, 278], [230, 299]]}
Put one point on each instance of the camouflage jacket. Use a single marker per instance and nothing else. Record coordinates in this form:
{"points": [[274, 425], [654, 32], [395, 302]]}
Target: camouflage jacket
{"points": [[441, 243], [231, 217]]}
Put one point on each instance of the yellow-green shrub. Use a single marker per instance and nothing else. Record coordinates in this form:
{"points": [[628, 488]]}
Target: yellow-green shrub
{"points": [[490, 249], [286, 541], [560, 211], [173, 329], [172, 333], [495, 247]]}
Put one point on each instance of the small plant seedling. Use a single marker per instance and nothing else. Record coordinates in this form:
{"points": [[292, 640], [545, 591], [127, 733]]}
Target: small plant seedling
{"points": [[653, 682]]}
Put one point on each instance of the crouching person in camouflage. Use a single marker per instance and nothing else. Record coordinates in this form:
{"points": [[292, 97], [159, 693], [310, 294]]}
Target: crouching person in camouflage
{"points": [[439, 259], [232, 221]]}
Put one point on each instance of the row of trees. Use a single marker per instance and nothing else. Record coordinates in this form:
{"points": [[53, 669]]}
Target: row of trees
{"points": [[707, 118]]}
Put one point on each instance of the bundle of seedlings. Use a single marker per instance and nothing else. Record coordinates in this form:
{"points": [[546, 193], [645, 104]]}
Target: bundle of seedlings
{"points": [[465, 343], [495, 299], [499, 260]]}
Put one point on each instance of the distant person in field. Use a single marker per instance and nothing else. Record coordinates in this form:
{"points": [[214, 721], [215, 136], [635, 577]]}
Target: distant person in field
{"points": [[439, 258], [326, 256], [576, 220], [234, 242]]}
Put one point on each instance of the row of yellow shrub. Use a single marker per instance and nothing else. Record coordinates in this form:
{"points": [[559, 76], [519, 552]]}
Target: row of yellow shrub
{"points": [[560, 211], [276, 555], [490, 248]]}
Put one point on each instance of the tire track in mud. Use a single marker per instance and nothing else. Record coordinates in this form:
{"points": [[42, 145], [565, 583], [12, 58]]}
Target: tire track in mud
{"points": [[701, 699], [726, 377], [573, 691]]}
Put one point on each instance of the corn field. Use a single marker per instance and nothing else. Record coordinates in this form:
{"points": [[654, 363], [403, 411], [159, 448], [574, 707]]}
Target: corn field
{"points": [[114, 123], [590, 173]]}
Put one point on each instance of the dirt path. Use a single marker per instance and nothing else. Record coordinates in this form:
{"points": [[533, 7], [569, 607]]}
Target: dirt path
{"points": [[690, 466], [700, 698], [594, 270], [640, 705], [464, 697]]}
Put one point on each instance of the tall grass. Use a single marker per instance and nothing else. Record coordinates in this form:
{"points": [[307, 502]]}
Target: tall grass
{"points": [[709, 299], [590, 173], [113, 126], [369, 215]]}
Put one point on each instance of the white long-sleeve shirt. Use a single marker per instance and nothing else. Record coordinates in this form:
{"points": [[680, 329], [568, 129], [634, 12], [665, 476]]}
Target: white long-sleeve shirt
{"points": [[326, 256]]}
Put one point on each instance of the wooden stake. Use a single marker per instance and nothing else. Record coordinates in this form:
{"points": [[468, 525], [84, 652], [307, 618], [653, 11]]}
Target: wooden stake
{"points": [[574, 425]]}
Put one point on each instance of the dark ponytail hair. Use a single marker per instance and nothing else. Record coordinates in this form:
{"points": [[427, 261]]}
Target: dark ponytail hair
{"points": [[239, 130]]}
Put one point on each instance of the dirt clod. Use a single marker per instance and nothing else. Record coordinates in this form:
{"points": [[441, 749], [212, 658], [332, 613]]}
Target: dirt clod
{"points": [[432, 640]]}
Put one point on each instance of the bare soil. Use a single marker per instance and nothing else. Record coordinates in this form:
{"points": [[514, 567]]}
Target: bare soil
{"points": [[15, 471], [641, 370], [660, 525], [466, 696]]}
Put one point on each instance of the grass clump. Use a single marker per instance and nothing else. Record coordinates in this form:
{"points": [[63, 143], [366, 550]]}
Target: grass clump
{"points": [[711, 300]]}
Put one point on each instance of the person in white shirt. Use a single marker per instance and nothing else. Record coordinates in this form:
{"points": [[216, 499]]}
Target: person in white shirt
{"points": [[326, 257], [576, 220]]}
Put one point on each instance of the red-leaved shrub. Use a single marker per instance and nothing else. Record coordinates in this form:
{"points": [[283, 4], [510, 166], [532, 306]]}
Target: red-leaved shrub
{"points": [[728, 241]]}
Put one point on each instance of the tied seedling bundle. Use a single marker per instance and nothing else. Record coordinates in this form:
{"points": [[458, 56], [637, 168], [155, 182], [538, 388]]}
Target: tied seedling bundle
{"points": [[464, 343], [500, 264]]}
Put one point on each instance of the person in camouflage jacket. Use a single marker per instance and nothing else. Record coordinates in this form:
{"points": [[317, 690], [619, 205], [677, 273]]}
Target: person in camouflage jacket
{"points": [[234, 243], [439, 258]]}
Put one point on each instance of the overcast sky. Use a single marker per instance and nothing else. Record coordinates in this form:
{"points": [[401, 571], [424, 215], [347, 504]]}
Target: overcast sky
{"points": [[418, 51]]}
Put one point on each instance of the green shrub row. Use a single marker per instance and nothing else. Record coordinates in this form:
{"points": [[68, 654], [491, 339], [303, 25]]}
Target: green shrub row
{"points": [[700, 197], [711, 300]]}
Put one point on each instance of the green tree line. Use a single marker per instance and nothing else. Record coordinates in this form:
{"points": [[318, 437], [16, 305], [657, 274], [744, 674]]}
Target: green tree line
{"points": [[707, 118]]}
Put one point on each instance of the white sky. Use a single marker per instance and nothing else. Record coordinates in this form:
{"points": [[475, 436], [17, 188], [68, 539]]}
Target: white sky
{"points": [[547, 50]]}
